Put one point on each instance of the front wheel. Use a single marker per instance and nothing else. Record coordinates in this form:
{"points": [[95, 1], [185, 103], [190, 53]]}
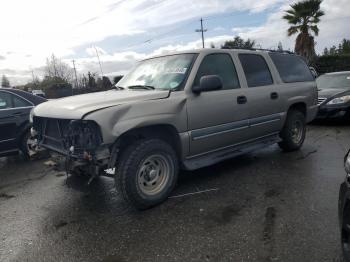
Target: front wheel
{"points": [[27, 145], [147, 173], [293, 132]]}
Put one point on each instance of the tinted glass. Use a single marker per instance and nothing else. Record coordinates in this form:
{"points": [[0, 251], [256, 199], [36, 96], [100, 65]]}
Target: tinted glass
{"points": [[221, 65], [19, 102], [256, 70], [291, 68], [5, 100], [334, 81]]}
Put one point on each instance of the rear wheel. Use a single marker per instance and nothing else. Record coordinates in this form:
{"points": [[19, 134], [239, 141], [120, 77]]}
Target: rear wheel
{"points": [[293, 132], [147, 173]]}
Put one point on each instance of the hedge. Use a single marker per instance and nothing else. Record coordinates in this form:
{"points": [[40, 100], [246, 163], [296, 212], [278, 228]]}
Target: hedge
{"points": [[332, 63]]}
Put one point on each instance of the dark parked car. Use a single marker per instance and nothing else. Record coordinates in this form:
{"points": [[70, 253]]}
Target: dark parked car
{"points": [[15, 107], [334, 95], [344, 210]]}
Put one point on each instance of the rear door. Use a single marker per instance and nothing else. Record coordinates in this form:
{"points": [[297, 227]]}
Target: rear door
{"points": [[14, 115], [265, 103], [218, 118]]}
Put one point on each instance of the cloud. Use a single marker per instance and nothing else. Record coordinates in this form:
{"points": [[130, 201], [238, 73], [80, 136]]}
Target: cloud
{"points": [[333, 27], [51, 27]]}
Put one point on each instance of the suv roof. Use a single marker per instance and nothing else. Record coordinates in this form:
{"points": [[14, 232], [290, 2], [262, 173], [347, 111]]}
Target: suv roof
{"points": [[213, 50]]}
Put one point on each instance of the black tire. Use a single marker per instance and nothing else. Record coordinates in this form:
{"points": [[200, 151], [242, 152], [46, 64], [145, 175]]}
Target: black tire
{"points": [[24, 146], [293, 132], [132, 171]]}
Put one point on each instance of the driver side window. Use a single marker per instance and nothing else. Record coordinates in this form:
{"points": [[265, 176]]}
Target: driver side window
{"points": [[220, 65]]}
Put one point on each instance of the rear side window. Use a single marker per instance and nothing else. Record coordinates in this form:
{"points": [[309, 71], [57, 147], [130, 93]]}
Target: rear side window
{"points": [[221, 65], [19, 102], [256, 70], [291, 68]]}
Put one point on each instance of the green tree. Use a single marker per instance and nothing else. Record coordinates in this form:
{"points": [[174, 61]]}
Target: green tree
{"points": [[304, 17], [342, 49], [238, 43], [325, 51], [345, 46], [103, 83], [55, 67], [91, 82], [5, 82]]}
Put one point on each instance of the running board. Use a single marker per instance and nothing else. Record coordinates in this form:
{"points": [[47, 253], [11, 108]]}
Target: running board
{"points": [[229, 152]]}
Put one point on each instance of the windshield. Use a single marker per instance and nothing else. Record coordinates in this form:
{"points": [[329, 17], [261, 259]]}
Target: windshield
{"points": [[333, 81], [166, 73]]}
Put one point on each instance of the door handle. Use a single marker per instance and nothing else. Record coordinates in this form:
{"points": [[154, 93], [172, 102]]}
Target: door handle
{"points": [[241, 99], [274, 95]]}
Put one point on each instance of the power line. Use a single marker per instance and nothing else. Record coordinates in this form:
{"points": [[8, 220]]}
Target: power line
{"points": [[159, 36], [202, 31]]}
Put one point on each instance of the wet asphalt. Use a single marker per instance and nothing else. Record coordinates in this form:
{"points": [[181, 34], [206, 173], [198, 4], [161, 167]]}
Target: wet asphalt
{"points": [[263, 206]]}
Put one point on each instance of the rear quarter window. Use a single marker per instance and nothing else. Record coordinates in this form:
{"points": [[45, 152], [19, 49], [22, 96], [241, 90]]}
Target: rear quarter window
{"points": [[291, 68]]}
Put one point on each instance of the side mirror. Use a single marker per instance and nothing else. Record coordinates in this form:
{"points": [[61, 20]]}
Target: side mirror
{"points": [[208, 83]]}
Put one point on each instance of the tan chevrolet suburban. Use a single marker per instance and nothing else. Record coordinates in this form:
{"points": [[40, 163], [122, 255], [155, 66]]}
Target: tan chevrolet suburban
{"points": [[186, 110]]}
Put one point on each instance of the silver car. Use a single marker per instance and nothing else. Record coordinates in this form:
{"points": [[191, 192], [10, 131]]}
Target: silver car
{"points": [[186, 110]]}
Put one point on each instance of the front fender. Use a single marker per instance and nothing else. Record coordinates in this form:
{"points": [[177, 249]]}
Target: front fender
{"points": [[117, 120]]}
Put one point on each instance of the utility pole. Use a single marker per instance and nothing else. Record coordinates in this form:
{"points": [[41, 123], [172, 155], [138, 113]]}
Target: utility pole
{"points": [[98, 57], [75, 73], [202, 31]]}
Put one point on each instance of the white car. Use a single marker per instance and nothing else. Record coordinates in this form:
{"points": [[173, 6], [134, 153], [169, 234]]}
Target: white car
{"points": [[38, 93]]}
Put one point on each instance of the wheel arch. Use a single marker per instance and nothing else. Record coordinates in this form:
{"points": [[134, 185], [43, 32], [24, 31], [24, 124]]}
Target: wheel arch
{"points": [[299, 106], [165, 132]]}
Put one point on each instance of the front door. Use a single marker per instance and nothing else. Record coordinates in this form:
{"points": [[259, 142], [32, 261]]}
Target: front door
{"points": [[217, 119], [8, 123]]}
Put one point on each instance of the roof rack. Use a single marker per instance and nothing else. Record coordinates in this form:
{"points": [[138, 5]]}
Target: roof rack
{"points": [[268, 50]]}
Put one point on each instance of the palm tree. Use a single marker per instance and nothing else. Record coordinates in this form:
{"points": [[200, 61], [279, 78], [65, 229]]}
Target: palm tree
{"points": [[304, 17]]}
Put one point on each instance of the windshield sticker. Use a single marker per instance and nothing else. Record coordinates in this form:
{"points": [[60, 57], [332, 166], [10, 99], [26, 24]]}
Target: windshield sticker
{"points": [[176, 70], [348, 78]]}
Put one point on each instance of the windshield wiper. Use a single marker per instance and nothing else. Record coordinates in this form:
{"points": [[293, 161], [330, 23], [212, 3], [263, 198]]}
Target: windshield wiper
{"points": [[145, 87], [119, 87]]}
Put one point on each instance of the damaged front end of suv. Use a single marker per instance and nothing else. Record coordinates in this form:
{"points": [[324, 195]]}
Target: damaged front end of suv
{"points": [[80, 141]]}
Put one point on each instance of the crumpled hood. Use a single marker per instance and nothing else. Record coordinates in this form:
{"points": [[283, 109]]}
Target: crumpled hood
{"points": [[75, 107], [331, 92]]}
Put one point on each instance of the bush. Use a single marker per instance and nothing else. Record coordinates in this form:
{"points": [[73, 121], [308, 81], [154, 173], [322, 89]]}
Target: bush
{"points": [[333, 63]]}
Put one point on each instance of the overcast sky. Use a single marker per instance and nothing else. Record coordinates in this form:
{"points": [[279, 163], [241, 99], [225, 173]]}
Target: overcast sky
{"points": [[125, 31]]}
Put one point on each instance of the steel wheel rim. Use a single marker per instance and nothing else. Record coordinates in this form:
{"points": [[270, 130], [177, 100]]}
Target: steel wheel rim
{"points": [[297, 131], [153, 174]]}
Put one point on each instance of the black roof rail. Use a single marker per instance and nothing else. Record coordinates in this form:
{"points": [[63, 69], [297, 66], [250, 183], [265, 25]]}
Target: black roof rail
{"points": [[268, 50]]}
